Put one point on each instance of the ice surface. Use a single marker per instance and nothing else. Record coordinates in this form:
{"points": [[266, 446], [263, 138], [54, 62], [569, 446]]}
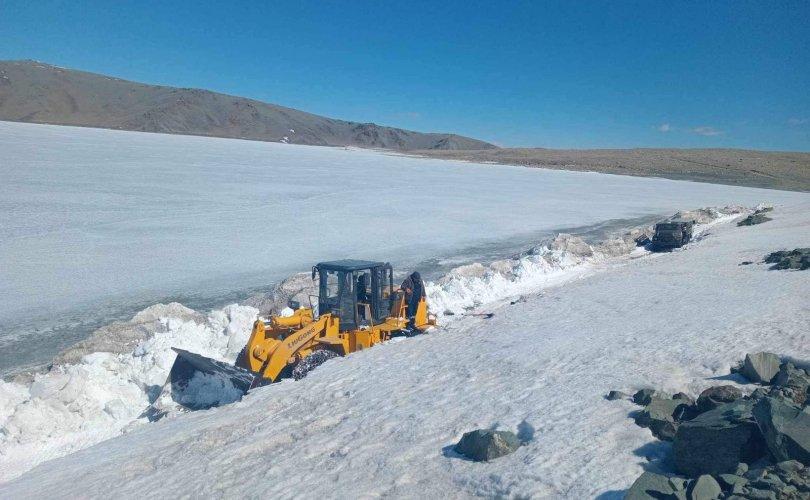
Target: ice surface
{"points": [[380, 422], [94, 223]]}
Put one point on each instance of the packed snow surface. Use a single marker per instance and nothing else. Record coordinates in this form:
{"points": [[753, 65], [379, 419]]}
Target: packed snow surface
{"points": [[94, 223], [382, 421]]}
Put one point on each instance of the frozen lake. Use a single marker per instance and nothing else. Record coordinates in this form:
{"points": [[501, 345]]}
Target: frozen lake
{"points": [[94, 223]]}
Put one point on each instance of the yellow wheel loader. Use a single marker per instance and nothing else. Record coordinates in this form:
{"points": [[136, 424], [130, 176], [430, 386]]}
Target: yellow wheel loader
{"points": [[356, 307]]}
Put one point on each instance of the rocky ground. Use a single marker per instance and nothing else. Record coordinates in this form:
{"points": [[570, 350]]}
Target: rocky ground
{"points": [[729, 445], [758, 217], [766, 169], [798, 258]]}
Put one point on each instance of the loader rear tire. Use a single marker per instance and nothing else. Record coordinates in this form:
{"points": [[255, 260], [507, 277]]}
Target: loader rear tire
{"points": [[311, 362]]}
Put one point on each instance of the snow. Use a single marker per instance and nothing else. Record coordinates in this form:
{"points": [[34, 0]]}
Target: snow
{"points": [[382, 421], [77, 405], [96, 224]]}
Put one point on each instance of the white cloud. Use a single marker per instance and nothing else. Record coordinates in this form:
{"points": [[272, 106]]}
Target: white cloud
{"points": [[707, 131], [797, 121], [664, 127]]}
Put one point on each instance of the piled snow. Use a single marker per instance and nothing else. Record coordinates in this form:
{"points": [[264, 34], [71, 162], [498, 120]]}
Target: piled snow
{"points": [[103, 394], [564, 259], [381, 423], [206, 390]]}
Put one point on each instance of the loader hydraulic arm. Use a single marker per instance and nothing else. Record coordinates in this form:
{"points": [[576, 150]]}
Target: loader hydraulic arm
{"points": [[269, 356]]}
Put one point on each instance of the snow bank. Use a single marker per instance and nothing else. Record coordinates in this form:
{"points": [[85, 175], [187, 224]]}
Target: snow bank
{"points": [[564, 259], [74, 406], [99, 395]]}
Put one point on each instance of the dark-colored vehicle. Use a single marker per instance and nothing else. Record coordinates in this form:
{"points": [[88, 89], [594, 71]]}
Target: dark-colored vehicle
{"points": [[672, 234]]}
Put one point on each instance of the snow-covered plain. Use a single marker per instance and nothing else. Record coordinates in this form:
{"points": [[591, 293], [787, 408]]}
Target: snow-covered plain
{"points": [[97, 224], [381, 422]]}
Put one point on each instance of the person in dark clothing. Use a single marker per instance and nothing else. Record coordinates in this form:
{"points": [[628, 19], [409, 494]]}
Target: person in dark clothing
{"points": [[414, 290], [362, 295]]}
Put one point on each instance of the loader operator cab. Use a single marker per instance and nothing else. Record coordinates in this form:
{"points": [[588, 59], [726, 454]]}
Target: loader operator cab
{"points": [[358, 292]]}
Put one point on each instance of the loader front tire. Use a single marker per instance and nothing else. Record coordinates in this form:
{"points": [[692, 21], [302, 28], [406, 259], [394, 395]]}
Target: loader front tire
{"points": [[311, 362]]}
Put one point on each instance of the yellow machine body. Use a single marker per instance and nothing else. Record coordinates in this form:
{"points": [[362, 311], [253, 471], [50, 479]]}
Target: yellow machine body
{"points": [[280, 342], [359, 307]]}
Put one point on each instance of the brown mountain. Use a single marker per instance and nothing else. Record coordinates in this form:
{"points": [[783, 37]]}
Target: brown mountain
{"points": [[35, 92]]}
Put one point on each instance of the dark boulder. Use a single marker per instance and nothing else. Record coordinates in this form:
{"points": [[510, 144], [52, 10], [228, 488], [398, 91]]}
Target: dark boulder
{"points": [[795, 379], [704, 488], [754, 219], [790, 259], [729, 481], [662, 416], [786, 428], [715, 396], [684, 398], [716, 441], [616, 395], [760, 367], [483, 445], [644, 396], [650, 486]]}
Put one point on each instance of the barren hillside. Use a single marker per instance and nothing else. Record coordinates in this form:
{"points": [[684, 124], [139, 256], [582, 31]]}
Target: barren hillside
{"points": [[35, 92], [739, 167]]}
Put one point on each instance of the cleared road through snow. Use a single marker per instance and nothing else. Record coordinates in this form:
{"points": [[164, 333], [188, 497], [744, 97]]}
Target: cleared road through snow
{"points": [[381, 422]]}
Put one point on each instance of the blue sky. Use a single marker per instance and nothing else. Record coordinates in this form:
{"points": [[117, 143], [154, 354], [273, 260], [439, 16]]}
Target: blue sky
{"points": [[550, 74]]}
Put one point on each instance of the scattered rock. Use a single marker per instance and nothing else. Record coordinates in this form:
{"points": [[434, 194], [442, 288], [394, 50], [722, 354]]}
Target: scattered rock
{"points": [[754, 219], [616, 395], [650, 486], [789, 466], [713, 397], [793, 378], [684, 398], [662, 416], [786, 480], [760, 367], [746, 263], [704, 488], [716, 441], [790, 259], [644, 396], [678, 483], [728, 481], [482, 445], [785, 427]]}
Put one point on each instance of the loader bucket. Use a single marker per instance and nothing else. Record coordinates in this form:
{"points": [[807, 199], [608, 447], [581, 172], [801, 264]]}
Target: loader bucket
{"points": [[188, 364]]}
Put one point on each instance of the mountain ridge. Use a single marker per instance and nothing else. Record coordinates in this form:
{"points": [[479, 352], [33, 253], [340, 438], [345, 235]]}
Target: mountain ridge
{"points": [[36, 92]]}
